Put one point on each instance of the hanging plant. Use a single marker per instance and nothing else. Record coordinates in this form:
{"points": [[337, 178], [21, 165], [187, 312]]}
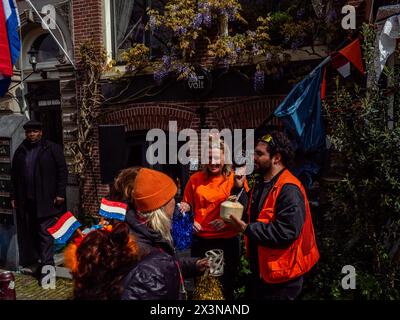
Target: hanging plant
{"points": [[184, 22]]}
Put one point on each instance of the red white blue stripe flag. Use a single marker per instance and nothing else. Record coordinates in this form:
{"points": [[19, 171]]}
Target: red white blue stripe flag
{"points": [[113, 210], [64, 228], [10, 43]]}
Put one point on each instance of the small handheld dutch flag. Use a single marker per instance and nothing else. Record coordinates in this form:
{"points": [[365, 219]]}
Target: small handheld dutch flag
{"points": [[113, 210], [64, 228]]}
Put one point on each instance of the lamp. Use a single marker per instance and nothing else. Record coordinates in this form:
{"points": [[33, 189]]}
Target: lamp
{"points": [[33, 53], [33, 58]]}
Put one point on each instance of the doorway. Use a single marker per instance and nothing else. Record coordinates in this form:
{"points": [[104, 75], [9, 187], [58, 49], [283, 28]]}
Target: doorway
{"points": [[45, 106]]}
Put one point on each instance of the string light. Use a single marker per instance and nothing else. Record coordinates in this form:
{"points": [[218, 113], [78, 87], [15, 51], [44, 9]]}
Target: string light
{"points": [[208, 288]]}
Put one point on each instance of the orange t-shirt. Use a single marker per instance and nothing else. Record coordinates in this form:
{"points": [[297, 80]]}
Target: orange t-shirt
{"points": [[205, 195]]}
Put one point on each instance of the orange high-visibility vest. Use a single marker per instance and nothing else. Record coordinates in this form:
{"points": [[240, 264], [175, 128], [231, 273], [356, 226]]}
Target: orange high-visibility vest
{"points": [[282, 265]]}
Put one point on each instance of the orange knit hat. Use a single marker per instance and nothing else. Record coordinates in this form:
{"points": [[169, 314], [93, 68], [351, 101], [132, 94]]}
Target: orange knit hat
{"points": [[153, 189]]}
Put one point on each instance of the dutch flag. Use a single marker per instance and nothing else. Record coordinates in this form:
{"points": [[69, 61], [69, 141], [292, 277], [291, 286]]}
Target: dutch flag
{"points": [[113, 210], [10, 43], [64, 228]]}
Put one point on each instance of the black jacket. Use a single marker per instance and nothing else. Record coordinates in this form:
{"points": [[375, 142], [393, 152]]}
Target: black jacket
{"points": [[50, 178], [156, 276]]}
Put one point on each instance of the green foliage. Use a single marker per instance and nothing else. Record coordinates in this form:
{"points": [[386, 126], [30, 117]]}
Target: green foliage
{"points": [[360, 224], [136, 57], [183, 25], [243, 275]]}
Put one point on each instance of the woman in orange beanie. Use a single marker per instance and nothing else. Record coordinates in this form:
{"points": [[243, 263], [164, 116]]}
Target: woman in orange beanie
{"points": [[162, 273], [204, 193], [134, 260]]}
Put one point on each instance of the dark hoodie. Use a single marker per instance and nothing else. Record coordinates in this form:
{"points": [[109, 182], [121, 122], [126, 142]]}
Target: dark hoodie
{"points": [[158, 274]]}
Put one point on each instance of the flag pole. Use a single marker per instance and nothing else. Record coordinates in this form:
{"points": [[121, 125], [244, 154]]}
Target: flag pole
{"points": [[51, 32]]}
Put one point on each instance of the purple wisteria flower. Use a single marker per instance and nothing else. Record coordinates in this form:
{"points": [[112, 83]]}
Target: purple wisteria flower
{"points": [[181, 30], [207, 19], [153, 23], [192, 77], [256, 50], [332, 15], [179, 67], [182, 69], [203, 5], [259, 79], [198, 20], [232, 13], [166, 61], [160, 75]]}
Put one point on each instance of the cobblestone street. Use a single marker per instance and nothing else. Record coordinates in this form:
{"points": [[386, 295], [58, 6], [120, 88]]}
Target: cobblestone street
{"points": [[27, 288]]}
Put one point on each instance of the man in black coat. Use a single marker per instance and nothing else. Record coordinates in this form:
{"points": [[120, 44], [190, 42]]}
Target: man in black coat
{"points": [[39, 178]]}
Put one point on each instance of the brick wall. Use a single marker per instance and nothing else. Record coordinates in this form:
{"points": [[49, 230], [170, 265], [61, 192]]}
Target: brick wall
{"points": [[87, 23]]}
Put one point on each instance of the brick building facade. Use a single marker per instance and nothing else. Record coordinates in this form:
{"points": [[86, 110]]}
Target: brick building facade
{"points": [[233, 112], [231, 104]]}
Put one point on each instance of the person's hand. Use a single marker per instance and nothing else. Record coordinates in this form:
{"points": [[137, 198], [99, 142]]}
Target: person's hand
{"points": [[103, 222], [196, 227], [184, 207], [238, 224], [13, 204], [217, 224], [232, 198], [58, 201], [202, 264], [239, 181]]}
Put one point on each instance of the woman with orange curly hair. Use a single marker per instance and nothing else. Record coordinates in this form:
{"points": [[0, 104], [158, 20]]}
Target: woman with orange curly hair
{"points": [[101, 261]]}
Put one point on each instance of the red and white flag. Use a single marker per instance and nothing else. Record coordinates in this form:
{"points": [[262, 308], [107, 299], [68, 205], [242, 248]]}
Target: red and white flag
{"points": [[349, 55]]}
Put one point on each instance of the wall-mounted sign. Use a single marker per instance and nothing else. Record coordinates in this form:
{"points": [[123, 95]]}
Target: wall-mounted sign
{"points": [[201, 85]]}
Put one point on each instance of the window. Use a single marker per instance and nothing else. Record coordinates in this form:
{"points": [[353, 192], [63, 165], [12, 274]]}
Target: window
{"points": [[47, 48], [128, 22]]}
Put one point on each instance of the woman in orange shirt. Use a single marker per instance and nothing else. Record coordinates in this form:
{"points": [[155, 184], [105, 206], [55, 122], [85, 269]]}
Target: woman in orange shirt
{"points": [[204, 193]]}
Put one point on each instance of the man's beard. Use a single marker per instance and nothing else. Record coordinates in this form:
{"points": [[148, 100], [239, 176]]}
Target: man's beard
{"points": [[263, 169]]}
